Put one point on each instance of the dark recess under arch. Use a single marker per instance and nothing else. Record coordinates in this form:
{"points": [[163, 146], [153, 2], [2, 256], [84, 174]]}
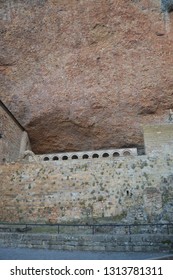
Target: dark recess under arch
{"points": [[74, 157], [95, 156], [116, 154], [46, 159], [105, 155], [64, 157], [55, 158], [85, 156]]}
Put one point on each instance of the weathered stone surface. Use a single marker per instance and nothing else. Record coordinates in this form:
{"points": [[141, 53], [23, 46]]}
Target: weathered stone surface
{"points": [[127, 190], [83, 75]]}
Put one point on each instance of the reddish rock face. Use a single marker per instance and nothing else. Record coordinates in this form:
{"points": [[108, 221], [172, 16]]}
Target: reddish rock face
{"points": [[86, 74]]}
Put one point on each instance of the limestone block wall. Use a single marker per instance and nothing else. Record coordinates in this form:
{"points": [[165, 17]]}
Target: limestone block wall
{"points": [[125, 189], [158, 138], [13, 139]]}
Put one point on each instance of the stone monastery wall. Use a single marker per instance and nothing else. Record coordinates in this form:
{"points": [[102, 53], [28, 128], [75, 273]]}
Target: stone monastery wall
{"points": [[158, 138], [13, 139], [125, 189], [10, 138]]}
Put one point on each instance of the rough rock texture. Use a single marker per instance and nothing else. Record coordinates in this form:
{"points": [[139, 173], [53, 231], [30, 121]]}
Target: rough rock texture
{"points": [[124, 191], [86, 74]]}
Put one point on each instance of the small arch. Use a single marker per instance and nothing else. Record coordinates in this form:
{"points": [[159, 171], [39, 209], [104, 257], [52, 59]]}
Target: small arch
{"points": [[105, 155], [85, 156], [46, 159], [55, 158], [95, 156], [116, 154], [74, 157], [126, 153], [64, 157]]}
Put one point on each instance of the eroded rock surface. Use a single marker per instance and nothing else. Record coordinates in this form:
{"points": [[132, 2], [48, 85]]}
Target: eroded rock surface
{"points": [[82, 75]]}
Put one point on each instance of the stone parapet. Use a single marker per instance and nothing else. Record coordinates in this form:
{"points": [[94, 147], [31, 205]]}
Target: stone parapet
{"points": [[113, 153]]}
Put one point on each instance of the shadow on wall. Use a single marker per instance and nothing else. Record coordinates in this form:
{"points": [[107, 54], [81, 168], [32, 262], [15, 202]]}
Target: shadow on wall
{"points": [[167, 6]]}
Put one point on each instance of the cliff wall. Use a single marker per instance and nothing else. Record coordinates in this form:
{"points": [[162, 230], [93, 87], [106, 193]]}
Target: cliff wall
{"points": [[86, 75]]}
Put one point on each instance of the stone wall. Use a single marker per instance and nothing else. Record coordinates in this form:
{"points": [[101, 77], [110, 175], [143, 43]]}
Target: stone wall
{"points": [[12, 136], [158, 138], [118, 243], [127, 190]]}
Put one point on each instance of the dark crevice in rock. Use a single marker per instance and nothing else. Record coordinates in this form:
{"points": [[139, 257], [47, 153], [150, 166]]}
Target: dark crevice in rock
{"points": [[167, 6]]}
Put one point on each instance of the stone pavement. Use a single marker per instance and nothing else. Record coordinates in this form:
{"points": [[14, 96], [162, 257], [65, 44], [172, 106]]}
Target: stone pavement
{"points": [[44, 254]]}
